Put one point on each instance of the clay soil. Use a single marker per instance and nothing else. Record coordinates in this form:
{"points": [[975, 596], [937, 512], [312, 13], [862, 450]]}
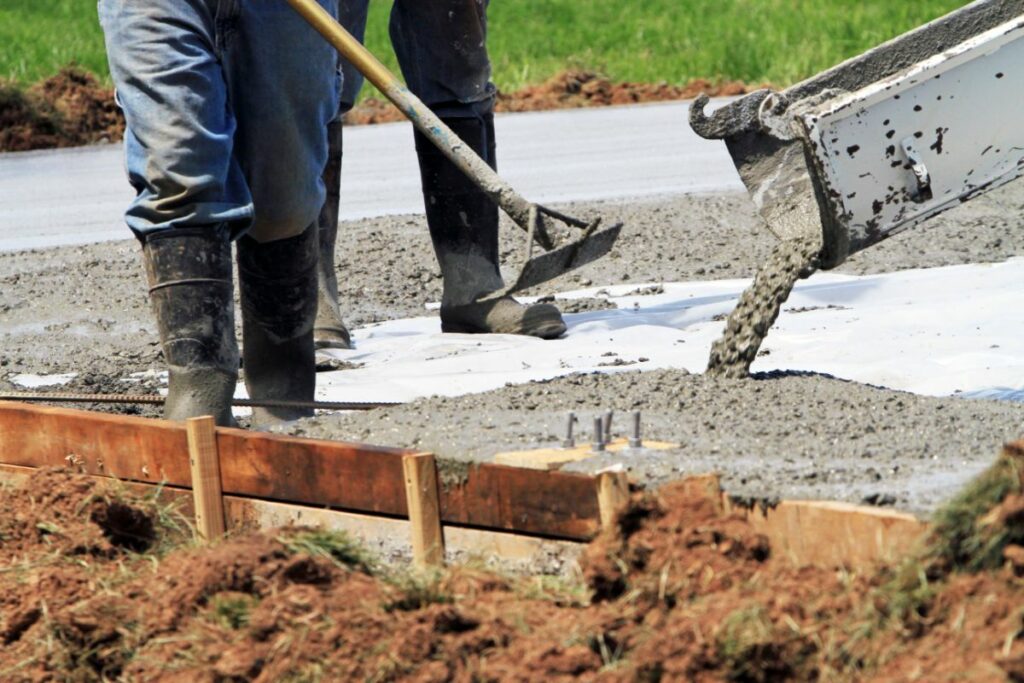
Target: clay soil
{"points": [[67, 110], [99, 584], [72, 109]]}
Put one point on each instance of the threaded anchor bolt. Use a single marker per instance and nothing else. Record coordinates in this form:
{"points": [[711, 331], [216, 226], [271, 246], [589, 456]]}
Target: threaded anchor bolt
{"points": [[599, 445], [608, 426], [634, 440], [570, 440]]}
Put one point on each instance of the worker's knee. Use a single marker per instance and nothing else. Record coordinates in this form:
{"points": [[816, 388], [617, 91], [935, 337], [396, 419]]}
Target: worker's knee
{"points": [[281, 215]]}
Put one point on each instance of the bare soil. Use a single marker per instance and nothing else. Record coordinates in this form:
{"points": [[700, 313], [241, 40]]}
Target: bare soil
{"points": [[72, 109], [98, 584], [69, 109], [571, 90]]}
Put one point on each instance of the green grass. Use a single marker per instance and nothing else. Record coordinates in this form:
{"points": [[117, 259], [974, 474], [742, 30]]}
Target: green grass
{"points": [[780, 41], [38, 37]]}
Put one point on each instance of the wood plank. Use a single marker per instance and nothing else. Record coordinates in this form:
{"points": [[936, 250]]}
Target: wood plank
{"points": [[554, 458], [424, 510], [829, 534], [385, 535], [353, 477], [825, 534], [113, 445], [553, 504], [206, 482]]}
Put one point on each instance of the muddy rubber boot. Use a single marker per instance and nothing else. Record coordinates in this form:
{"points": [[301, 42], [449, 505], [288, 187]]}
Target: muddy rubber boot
{"points": [[191, 290], [329, 331], [278, 285], [464, 229]]}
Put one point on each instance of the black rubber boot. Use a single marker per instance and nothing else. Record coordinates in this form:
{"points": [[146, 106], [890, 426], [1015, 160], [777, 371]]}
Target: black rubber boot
{"points": [[278, 284], [330, 332], [190, 286], [464, 228]]}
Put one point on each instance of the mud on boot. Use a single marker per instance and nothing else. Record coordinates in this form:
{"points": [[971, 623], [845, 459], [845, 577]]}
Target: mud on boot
{"points": [[464, 229], [191, 290], [278, 284]]}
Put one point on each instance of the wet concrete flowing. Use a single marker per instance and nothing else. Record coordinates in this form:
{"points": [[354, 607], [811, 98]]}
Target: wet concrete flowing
{"points": [[759, 306]]}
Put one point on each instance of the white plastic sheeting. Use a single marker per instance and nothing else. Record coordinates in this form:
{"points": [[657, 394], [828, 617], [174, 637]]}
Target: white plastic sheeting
{"points": [[936, 331]]}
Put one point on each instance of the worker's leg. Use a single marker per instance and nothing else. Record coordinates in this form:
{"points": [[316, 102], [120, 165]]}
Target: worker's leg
{"points": [[283, 84], [330, 330], [442, 48], [278, 292], [191, 195]]}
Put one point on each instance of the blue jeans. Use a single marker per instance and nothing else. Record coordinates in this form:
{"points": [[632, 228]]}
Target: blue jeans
{"points": [[441, 47], [227, 104]]}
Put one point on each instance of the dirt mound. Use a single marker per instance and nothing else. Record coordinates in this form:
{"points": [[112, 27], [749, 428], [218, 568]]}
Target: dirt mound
{"points": [[588, 89], [676, 590], [67, 110], [570, 89]]}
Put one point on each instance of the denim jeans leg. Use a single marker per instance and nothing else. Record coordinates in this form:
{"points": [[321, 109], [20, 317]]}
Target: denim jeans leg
{"points": [[179, 142], [442, 48], [352, 15], [283, 86]]}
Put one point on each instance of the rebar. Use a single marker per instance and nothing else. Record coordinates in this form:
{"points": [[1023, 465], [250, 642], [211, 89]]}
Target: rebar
{"points": [[570, 440], [599, 443], [634, 440], [156, 399]]}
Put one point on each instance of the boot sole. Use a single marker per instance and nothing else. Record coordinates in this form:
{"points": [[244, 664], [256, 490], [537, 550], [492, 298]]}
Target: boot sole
{"points": [[552, 330]]}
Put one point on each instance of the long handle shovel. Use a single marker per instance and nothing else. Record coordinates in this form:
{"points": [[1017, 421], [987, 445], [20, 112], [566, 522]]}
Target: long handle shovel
{"points": [[540, 223]]}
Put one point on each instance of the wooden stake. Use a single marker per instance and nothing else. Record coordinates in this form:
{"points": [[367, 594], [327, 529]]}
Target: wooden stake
{"points": [[612, 495], [206, 483], [424, 509]]}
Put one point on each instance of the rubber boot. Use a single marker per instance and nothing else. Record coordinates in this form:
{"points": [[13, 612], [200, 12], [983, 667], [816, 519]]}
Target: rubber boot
{"points": [[190, 287], [329, 331], [464, 229], [278, 285]]}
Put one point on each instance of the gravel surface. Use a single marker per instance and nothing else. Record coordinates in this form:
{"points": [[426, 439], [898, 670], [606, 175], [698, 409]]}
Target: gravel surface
{"points": [[84, 309]]}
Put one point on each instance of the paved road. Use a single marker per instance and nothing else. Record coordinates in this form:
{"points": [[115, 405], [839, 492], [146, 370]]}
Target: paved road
{"points": [[77, 196]]}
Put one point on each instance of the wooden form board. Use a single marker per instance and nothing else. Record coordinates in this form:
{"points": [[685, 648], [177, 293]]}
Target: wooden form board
{"points": [[828, 534], [386, 535], [305, 476], [351, 477]]}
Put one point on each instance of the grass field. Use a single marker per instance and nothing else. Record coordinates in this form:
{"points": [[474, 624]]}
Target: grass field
{"points": [[780, 41]]}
